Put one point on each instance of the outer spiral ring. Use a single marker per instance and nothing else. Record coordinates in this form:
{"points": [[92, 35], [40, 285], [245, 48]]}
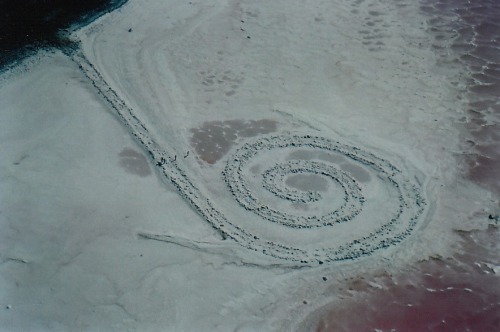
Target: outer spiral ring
{"points": [[408, 204]]}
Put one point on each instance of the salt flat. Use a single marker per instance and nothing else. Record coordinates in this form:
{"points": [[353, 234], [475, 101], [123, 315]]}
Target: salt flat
{"points": [[162, 126]]}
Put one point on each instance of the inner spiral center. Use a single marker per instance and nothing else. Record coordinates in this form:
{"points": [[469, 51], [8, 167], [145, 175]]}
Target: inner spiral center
{"points": [[307, 182], [292, 180]]}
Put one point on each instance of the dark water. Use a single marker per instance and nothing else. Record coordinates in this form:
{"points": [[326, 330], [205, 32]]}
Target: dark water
{"points": [[467, 38], [27, 25]]}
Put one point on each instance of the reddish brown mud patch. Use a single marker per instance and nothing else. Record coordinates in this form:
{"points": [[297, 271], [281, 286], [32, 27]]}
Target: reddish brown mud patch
{"points": [[457, 294], [134, 162], [213, 139]]}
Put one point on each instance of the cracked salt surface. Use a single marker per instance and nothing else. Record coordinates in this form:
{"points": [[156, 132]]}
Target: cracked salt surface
{"points": [[312, 93]]}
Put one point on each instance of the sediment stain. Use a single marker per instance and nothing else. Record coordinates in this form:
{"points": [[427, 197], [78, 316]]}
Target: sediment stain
{"points": [[134, 162], [213, 139]]}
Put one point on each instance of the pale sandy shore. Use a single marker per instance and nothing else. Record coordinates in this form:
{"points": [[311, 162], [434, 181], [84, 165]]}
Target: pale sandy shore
{"points": [[201, 166]]}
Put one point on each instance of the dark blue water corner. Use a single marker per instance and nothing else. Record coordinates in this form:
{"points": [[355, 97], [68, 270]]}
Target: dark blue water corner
{"points": [[28, 25]]}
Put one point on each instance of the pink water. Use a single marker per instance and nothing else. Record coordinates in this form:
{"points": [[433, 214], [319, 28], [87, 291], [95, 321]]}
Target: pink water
{"points": [[461, 293]]}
